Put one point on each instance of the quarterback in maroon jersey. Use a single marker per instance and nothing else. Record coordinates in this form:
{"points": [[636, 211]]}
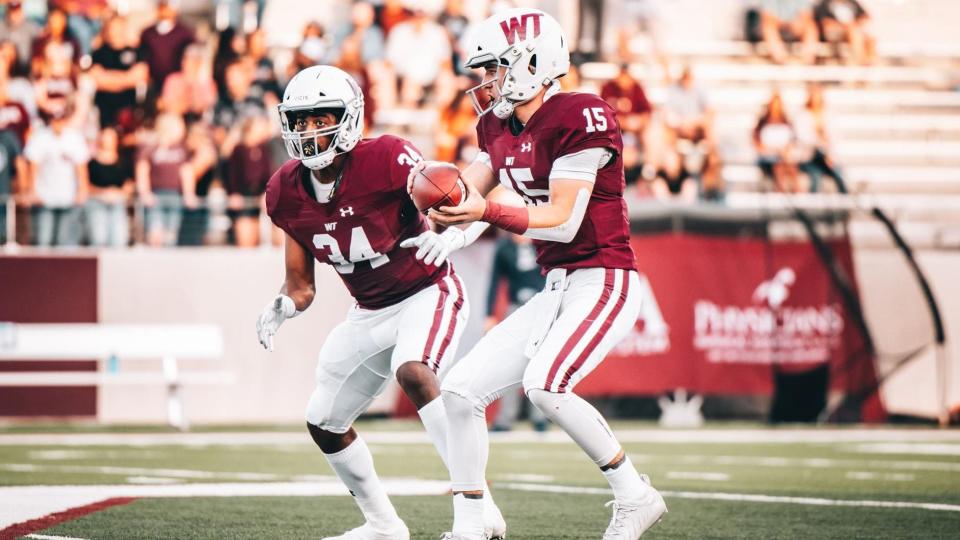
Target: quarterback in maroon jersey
{"points": [[561, 152], [342, 201]]}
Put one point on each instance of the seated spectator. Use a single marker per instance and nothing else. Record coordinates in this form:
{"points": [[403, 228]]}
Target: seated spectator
{"points": [[165, 180], [21, 31], [247, 172], [191, 91], [419, 51], [687, 112], [55, 41], [162, 45], [106, 210], [57, 155], [789, 20], [845, 21], [673, 178], [813, 140], [688, 133], [117, 71], [625, 94], [774, 140]]}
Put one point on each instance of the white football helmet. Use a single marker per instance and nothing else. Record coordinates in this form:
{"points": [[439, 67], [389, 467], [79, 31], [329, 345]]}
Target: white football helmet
{"points": [[531, 51], [328, 89]]}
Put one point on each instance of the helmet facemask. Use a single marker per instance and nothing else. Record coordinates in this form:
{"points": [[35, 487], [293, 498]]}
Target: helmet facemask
{"points": [[509, 93], [304, 145]]}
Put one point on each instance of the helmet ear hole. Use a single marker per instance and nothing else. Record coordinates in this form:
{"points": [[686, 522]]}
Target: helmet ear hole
{"points": [[532, 66]]}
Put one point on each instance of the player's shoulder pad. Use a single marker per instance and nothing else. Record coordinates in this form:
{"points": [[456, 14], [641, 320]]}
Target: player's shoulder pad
{"points": [[284, 180], [570, 106]]}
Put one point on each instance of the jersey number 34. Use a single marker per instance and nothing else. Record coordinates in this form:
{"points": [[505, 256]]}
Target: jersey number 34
{"points": [[360, 250]]}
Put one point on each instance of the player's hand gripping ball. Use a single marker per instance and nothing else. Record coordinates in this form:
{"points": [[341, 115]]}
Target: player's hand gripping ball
{"points": [[434, 184]]}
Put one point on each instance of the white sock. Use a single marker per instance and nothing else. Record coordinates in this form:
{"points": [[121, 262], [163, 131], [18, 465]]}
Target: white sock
{"points": [[581, 421], [626, 482], [434, 420], [467, 443], [467, 516], [354, 467]]}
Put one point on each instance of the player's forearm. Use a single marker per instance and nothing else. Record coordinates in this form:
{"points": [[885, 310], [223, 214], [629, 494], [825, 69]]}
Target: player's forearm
{"points": [[301, 292], [480, 176]]}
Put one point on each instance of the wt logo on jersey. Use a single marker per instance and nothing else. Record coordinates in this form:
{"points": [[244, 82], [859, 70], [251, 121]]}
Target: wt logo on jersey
{"points": [[514, 27]]}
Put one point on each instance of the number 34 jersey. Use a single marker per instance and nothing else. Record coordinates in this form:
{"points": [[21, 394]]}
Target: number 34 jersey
{"points": [[565, 124], [359, 231]]}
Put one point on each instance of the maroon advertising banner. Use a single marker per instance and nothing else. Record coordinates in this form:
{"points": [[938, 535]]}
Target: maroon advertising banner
{"points": [[721, 313]]}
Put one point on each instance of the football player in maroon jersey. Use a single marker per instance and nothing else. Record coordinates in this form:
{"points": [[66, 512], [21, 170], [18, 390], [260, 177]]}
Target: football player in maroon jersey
{"points": [[561, 152], [342, 201]]}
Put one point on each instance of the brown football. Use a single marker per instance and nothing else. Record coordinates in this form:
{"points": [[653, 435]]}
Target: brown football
{"points": [[438, 184]]}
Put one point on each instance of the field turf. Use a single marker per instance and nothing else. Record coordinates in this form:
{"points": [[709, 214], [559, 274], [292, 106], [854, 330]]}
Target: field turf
{"points": [[719, 483]]}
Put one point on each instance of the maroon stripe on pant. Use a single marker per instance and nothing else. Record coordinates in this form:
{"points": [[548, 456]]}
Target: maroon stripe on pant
{"points": [[452, 326], [582, 329], [604, 328], [437, 319]]}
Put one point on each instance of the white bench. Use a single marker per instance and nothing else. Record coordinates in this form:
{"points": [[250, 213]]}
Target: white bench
{"points": [[110, 344]]}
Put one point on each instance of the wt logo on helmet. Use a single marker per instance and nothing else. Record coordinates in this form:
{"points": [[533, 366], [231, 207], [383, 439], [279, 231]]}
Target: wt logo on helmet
{"points": [[514, 27]]}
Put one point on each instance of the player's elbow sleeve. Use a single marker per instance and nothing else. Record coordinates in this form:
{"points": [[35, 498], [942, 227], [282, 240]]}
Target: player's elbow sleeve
{"points": [[566, 231]]}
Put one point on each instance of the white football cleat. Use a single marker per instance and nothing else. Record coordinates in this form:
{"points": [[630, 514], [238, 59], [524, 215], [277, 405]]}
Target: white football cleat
{"points": [[367, 532], [493, 523], [631, 519]]}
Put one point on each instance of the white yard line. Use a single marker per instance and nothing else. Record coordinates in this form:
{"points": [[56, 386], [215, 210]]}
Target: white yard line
{"points": [[742, 497], [50, 537], [923, 449], [139, 471], [893, 477], [719, 436], [691, 475], [22, 503]]}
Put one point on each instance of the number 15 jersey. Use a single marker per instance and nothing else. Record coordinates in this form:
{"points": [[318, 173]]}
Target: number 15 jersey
{"points": [[566, 123], [359, 231]]}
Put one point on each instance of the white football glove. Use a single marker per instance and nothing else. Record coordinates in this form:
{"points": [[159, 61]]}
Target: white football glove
{"points": [[279, 310], [434, 248]]}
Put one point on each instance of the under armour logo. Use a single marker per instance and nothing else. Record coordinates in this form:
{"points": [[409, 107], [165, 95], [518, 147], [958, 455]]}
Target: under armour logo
{"points": [[330, 226], [348, 211], [526, 147]]}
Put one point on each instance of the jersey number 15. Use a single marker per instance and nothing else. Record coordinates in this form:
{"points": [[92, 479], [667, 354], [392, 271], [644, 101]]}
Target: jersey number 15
{"points": [[596, 121]]}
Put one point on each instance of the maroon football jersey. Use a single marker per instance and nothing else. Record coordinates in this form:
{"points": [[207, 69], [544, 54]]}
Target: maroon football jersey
{"points": [[359, 231], [566, 123]]}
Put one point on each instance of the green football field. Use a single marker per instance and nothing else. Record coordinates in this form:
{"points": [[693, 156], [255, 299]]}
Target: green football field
{"points": [[726, 482]]}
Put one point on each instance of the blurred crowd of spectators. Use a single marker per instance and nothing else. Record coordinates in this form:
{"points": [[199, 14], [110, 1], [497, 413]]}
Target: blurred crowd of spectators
{"points": [[112, 133]]}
